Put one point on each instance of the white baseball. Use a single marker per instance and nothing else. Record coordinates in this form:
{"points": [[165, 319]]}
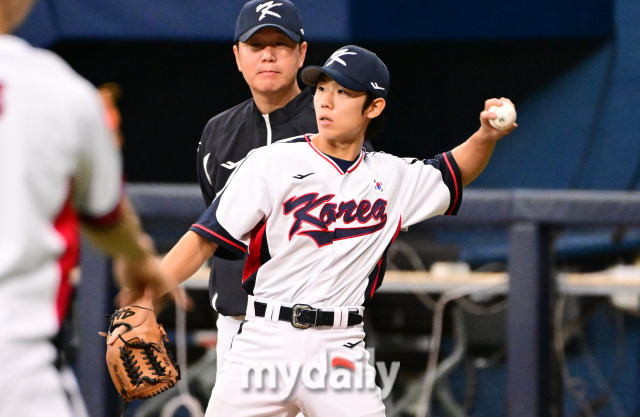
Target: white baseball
{"points": [[506, 116]]}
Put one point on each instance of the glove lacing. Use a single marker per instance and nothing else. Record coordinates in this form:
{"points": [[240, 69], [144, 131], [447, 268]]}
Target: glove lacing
{"points": [[152, 360], [129, 362]]}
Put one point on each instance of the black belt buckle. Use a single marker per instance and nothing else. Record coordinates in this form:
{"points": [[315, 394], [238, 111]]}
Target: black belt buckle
{"points": [[297, 310]]}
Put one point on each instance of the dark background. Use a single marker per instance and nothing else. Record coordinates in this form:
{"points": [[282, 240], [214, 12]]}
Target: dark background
{"points": [[171, 89], [570, 66]]}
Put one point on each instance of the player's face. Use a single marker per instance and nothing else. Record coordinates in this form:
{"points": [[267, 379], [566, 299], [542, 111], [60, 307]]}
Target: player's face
{"points": [[339, 111], [269, 60]]}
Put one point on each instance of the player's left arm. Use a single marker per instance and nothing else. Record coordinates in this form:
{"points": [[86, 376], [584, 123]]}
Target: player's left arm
{"points": [[474, 154], [180, 264], [185, 258]]}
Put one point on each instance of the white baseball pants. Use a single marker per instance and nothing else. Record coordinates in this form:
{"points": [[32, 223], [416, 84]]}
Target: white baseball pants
{"points": [[275, 369]]}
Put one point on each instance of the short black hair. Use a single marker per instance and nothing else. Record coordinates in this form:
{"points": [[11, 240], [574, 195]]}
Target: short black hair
{"points": [[375, 125]]}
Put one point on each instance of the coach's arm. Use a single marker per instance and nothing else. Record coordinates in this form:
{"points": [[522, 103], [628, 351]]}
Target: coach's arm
{"points": [[473, 155]]}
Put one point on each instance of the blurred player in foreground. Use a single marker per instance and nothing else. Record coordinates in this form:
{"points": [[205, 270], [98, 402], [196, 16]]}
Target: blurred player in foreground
{"points": [[316, 215], [59, 169]]}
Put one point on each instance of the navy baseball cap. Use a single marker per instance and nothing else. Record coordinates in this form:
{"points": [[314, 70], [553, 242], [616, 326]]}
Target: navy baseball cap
{"points": [[280, 14], [352, 67]]}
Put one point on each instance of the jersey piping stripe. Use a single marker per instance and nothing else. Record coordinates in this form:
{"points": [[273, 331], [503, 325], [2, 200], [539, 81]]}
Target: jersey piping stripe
{"points": [[323, 156], [375, 281], [257, 248], [333, 164], [357, 163], [375, 284], [455, 183], [381, 266], [67, 225], [220, 237]]}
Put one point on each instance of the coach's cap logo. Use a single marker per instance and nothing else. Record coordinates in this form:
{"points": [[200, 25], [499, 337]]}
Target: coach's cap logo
{"points": [[376, 86], [336, 56], [258, 14], [265, 8]]}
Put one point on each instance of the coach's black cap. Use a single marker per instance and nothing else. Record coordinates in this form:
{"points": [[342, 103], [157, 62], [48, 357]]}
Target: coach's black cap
{"points": [[280, 14], [352, 67]]}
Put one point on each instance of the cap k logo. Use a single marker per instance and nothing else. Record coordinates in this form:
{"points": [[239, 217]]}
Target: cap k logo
{"points": [[336, 57], [265, 9]]}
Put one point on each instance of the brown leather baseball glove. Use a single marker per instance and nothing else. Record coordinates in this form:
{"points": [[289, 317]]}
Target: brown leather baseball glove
{"points": [[139, 364]]}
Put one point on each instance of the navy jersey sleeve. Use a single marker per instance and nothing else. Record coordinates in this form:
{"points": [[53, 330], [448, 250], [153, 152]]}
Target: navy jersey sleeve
{"points": [[209, 228], [447, 165]]}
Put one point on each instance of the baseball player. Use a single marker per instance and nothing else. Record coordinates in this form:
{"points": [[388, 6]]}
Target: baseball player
{"points": [[59, 169], [269, 48], [316, 215]]}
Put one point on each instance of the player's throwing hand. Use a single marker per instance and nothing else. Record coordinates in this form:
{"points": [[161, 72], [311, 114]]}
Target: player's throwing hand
{"points": [[498, 117]]}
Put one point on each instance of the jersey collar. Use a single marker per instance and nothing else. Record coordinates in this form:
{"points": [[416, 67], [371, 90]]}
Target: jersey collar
{"points": [[353, 167]]}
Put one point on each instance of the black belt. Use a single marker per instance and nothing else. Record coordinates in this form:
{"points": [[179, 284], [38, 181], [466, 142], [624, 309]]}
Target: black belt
{"points": [[304, 316]]}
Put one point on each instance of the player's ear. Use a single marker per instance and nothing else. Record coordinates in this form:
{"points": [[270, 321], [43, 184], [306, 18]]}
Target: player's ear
{"points": [[303, 53], [376, 107], [236, 54]]}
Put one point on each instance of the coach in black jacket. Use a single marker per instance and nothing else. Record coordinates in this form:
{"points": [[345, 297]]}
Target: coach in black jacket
{"points": [[269, 49]]}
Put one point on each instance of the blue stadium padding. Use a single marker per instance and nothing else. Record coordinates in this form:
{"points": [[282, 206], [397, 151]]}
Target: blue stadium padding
{"points": [[614, 156], [337, 20], [163, 201], [488, 240], [580, 131], [554, 130], [383, 20]]}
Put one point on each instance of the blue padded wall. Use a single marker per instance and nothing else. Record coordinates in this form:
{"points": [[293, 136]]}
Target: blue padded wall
{"points": [[326, 21], [582, 130]]}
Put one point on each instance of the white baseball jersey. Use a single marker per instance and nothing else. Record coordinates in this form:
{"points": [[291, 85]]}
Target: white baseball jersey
{"points": [[317, 234], [57, 160]]}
